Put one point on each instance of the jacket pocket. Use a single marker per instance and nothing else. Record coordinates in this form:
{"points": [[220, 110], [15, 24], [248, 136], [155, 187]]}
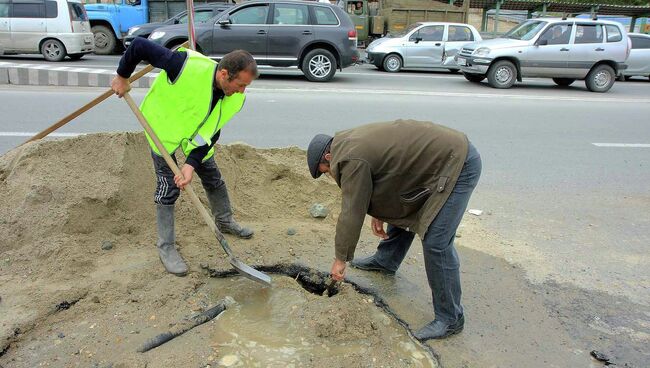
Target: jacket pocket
{"points": [[442, 183], [415, 195]]}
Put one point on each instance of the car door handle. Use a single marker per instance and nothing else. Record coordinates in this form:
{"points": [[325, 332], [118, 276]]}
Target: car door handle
{"points": [[306, 32], [564, 49], [261, 32], [438, 44], [600, 49]]}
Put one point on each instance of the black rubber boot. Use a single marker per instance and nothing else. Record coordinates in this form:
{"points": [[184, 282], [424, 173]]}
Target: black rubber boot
{"points": [[439, 330], [222, 212], [169, 256], [370, 264]]}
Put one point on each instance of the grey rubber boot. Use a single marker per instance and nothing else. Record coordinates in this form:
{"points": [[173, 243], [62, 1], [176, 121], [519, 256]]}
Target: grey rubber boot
{"points": [[439, 330], [220, 205], [370, 264], [169, 256]]}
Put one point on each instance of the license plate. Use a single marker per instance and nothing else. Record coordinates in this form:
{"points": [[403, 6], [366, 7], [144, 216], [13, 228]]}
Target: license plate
{"points": [[462, 61]]}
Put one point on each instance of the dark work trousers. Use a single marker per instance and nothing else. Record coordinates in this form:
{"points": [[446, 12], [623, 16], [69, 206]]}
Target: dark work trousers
{"points": [[166, 190], [440, 257]]}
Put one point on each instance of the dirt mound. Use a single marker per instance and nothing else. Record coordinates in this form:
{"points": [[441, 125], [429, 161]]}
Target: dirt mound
{"points": [[77, 235]]}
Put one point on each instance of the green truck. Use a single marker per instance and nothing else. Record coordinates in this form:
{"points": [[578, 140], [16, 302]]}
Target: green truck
{"points": [[376, 18]]}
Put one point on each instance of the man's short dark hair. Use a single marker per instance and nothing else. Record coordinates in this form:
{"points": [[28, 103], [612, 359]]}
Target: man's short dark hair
{"points": [[237, 61]]}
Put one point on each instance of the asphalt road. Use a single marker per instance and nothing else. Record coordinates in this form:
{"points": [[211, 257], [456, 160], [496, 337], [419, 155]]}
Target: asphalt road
{"points": [[565, 173]]}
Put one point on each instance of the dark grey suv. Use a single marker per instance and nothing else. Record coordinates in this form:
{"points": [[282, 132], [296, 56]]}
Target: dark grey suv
{"points": [[202, 13], [316, 37]]}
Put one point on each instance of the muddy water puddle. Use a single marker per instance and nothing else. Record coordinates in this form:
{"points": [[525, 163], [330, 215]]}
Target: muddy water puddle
{"points": [[286, 326]]}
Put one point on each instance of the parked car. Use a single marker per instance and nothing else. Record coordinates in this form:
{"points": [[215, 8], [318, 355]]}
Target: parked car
{"points": [[316, 37], [562, 49], [422, 45], [54, 28], [202, 13], [638, 63]]}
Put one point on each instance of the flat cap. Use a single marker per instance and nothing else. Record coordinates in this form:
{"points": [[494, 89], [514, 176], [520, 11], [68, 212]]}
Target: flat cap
{"points": [[315, 152]]}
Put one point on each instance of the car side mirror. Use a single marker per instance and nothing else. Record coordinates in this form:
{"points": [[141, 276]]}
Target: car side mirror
{"points": [[542, 42], [224, 22], [418, 39], [176, 21]]}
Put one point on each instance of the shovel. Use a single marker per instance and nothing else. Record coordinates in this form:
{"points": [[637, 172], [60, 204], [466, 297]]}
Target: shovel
{"points": [[244, 269]]}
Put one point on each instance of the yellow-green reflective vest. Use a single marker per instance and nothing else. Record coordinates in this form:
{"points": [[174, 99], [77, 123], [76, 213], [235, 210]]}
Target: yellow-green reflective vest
{"points": [[179, 112]]}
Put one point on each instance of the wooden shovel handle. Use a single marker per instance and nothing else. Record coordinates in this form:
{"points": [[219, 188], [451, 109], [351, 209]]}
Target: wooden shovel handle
{"points": [[172, 165], [90, 105]]}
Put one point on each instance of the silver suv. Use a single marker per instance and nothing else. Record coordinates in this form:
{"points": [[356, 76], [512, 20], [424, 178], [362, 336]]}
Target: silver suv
{"points": [[562, 49]]}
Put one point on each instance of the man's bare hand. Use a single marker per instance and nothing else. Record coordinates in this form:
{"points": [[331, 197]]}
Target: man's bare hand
{"points": [[186, 176], [120, 86], [338, 270], [377, 227]]}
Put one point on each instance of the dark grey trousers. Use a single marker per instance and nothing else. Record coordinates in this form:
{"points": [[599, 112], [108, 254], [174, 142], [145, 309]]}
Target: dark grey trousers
{"points": [[440, 257], [166, 190]]}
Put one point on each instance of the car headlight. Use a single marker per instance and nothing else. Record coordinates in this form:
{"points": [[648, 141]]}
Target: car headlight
{"points": [[481, 51], [132, 30], [156, 35]]}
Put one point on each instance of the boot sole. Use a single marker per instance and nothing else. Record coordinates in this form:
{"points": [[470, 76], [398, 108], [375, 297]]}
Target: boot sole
{"points": [[376, 269], [449, 333], [179, 274]]}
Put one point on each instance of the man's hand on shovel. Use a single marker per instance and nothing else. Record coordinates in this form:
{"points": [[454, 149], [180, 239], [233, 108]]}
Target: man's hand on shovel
{"points": [[185, 178], [120, 86]]}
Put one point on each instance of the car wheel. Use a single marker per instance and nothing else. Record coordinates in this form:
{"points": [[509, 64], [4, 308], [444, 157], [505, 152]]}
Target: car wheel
{"points": [[502, 74], [454, 70], [392, 63], [564, 82], [319, 65], [53, 50], [104, 40], [76, 56], [475, 78], [600, 79]]}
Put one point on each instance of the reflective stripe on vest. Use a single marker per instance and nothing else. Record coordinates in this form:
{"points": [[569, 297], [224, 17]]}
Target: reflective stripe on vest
{"points": [[179, 112]]}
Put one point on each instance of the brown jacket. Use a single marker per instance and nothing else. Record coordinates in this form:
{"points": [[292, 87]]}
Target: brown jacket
{"points": [[400, 172]]}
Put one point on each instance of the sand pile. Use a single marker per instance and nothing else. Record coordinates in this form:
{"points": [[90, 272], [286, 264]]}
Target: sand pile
{"points": [[77, 235]]}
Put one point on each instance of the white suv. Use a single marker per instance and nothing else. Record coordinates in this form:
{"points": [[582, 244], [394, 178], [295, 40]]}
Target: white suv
{"points": [[562, 49], [54, 28]]}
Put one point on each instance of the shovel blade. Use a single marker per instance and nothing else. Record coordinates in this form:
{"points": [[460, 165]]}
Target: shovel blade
{"points": [[250, 273]]}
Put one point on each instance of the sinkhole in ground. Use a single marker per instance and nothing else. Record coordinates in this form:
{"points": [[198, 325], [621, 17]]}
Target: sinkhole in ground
{"points": [[294, 324]]}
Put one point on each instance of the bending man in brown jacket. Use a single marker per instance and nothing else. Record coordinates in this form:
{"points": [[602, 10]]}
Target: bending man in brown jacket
{"points": [[415, 176]]}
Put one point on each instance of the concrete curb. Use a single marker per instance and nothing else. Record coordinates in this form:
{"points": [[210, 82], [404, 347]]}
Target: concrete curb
{"points": [[38, 75]]}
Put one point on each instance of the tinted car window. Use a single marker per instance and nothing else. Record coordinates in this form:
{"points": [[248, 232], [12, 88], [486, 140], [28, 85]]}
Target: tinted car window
{"points": [[325, 16], [77, 12], [199, 16], [429, 33], [640, 42], [291, 14], [250, 15], [613, 34], [28, 10], [558, 34], [4, 9], [459, 33], [51, 10], [589, 33]]}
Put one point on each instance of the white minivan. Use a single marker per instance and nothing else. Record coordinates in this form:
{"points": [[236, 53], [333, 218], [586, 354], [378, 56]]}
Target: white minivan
{"points": [[54, 28]]}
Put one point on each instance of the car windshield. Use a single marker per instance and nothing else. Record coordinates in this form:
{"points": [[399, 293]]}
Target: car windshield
{"points": [[525, 31], [404, 32]]}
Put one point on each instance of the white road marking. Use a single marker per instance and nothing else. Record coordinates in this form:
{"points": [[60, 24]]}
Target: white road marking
{"points": [[624, 145], [451, 94], [31, 134]]}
